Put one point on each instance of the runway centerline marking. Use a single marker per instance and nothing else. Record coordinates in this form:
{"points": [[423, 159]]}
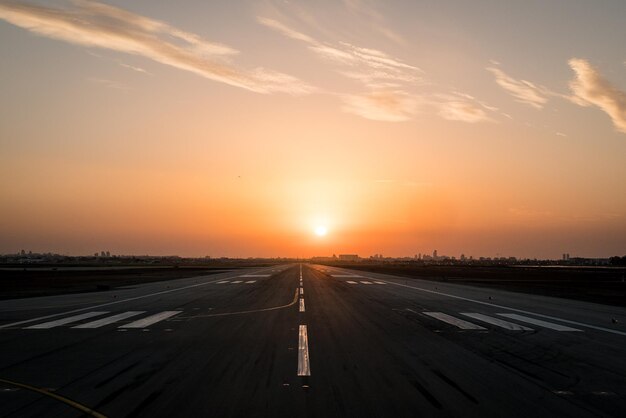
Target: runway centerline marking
{"points": [[162, 292], [251, 281], [303, 352], [366, 282], [459, 323], [567, 321], [64, 321], [301, 305], [351, 282]]}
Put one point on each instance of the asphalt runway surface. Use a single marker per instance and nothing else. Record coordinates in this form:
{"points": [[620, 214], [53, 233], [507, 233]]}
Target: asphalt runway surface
{"points": [[311, 341]]}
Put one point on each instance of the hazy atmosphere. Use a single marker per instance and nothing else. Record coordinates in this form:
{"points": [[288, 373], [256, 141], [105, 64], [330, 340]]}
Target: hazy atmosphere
{"points": [[242, 128]]}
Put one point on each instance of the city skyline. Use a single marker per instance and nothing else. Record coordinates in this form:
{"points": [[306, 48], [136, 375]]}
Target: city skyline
{"points": [[262, 128]]}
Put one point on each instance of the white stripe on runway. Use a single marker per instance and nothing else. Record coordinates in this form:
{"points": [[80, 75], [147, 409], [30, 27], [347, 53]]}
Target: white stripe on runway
{"points": [[303, 353], [67, 320], [497, 322], [366, 282], [302, 290], [351, 282], [380, 282], [251, 281], [301, 305], [237, 281], [152, 319], [345, 275], [256, 275], [109, 320], [539, 322], [459, 323], [222, 282]]}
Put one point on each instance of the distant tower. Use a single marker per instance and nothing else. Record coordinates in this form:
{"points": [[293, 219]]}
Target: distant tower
{"points": [[435, 254]]}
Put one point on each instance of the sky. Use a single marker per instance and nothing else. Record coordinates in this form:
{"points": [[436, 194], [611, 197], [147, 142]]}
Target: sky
{"points": [[238, 128]]}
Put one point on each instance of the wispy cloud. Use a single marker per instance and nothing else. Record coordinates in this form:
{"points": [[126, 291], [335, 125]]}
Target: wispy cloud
{"points": [[524, 91], [367, 65], [134, 68], [589, 87], [389, 106], [108, 83], [376, 19], [463, 110], [93, 24]]}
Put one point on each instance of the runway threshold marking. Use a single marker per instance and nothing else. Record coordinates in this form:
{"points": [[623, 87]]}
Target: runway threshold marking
{"points": [[162, 292], [303, 353], [567, 321], [539, 322], [64, 321], [459, 323], [497, 322], [109, 320], [152, 319]]}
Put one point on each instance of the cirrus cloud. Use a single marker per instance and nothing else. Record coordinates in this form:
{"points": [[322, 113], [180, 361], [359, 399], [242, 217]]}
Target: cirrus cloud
{"points": [[94, 24]]}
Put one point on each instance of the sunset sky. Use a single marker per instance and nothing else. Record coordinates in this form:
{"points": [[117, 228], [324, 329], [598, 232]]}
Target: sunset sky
{"points": [[236, 128]]}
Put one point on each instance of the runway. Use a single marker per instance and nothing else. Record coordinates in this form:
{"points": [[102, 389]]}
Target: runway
{"points": [[304, 340]]}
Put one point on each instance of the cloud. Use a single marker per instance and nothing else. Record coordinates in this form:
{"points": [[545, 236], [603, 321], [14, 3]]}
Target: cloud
{"points": [[93, 24], [525, 91], [375, 18], [589, 87], [463, 110], [389, 106], [134, 68], [372, 67], [285, 30]]}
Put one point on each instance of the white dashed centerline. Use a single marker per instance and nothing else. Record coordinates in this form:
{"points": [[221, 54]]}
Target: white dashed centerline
{"points": [[301, 305], [303, 353]]}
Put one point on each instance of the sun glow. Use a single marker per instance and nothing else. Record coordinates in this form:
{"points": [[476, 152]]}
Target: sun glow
{"points": [[321, 230]]}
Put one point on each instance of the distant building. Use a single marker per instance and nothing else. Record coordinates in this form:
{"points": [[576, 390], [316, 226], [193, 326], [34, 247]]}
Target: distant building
{"points": [[435, 255], [348, 257]]}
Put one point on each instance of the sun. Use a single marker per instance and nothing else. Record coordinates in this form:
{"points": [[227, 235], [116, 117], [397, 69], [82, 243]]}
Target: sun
{"points": [[321, 230]]}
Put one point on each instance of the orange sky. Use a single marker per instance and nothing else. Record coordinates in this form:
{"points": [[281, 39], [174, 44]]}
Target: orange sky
{"points": [[158, 131]]}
